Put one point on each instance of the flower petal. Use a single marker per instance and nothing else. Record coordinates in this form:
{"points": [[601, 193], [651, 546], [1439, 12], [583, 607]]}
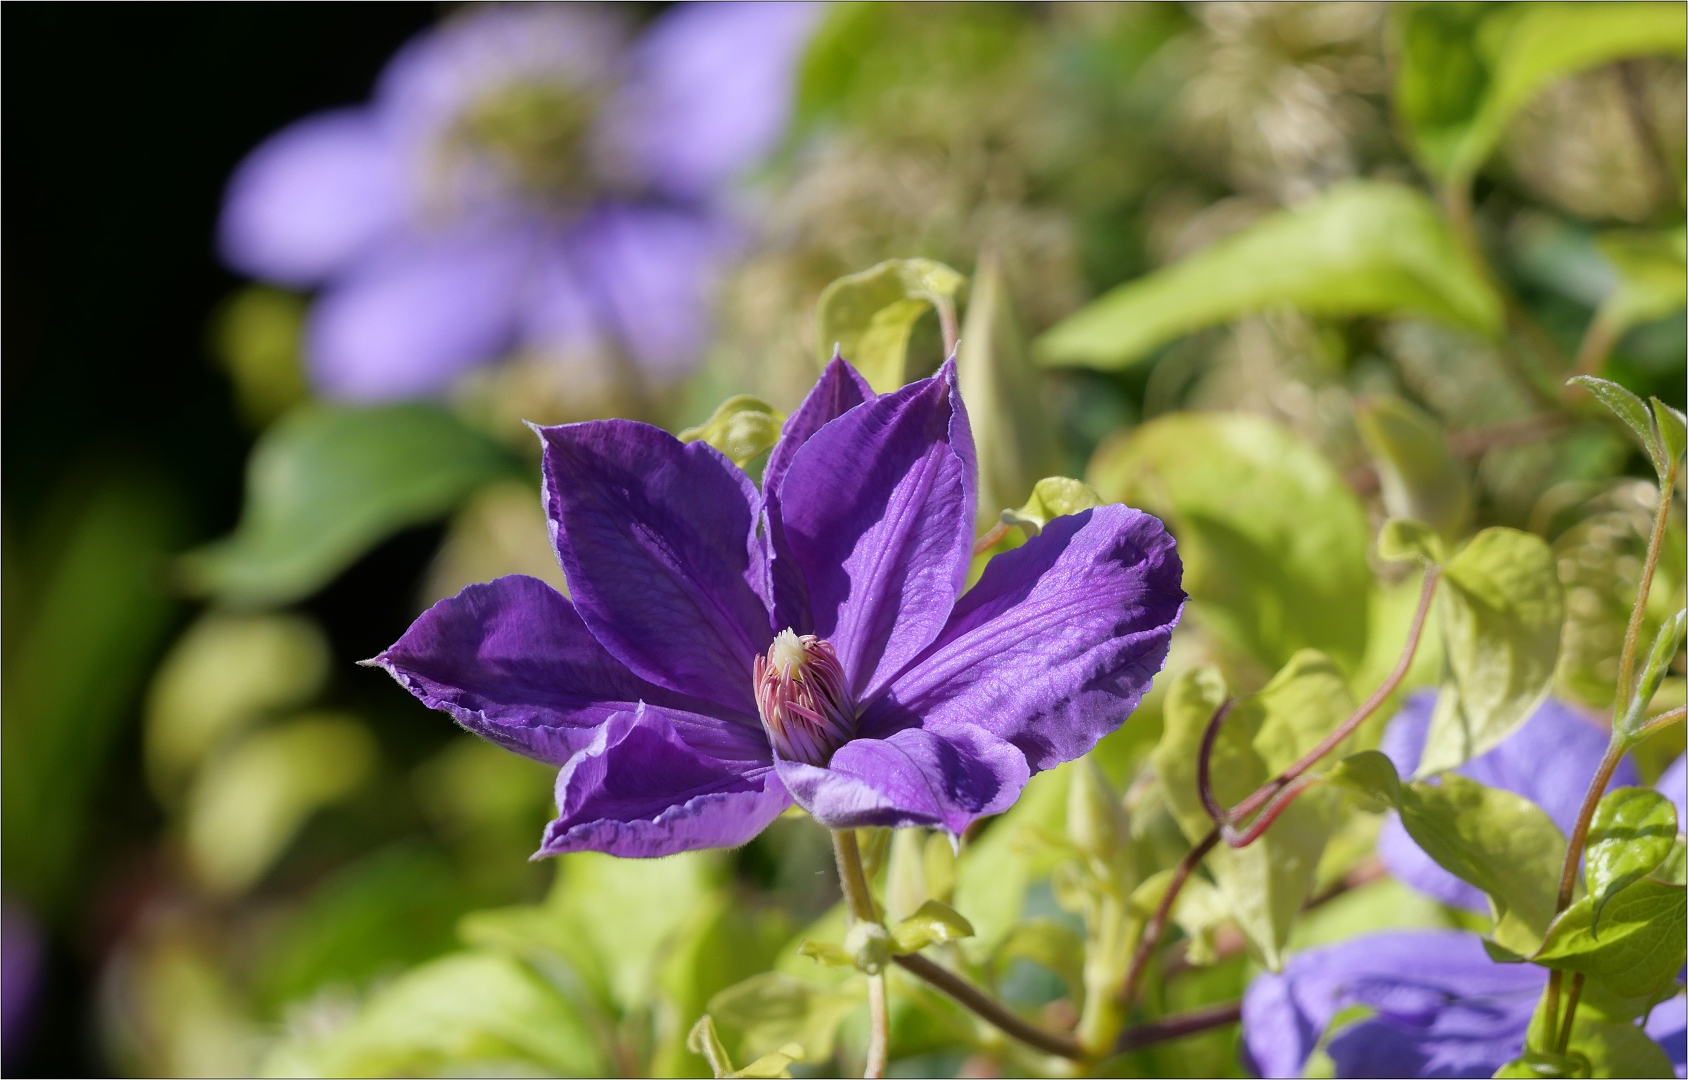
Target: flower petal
{"points": [[1550, 760], [878, 512], [1056, 644], [1673, 785], [312, 198], [1443, 1007], [711, 91], [658, 541], [639, 791], [839, 389], [648, 272], [512, 661], [914, 777], [419, 312]]}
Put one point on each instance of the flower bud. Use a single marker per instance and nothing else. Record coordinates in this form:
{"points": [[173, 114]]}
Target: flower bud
{"points": [[803, 698], [869, 946]]}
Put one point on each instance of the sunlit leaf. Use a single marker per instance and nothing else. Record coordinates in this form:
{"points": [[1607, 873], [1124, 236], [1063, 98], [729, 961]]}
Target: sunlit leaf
{"points": [[247, 803], [993, 873], [1362, 248], [1673, 429], [773, 1009], [1421, 478], [742, 427], [933, 924], [1273, 542], [469, 1012], [1642, 937], [869, 316], [1462, 72], [1401, 538], [1633, 412], [1498, 841], [1052, 497], [1502, 609], [1652, 276], [225, 671], [1632, 832], [1013, 434], [327, 483]]}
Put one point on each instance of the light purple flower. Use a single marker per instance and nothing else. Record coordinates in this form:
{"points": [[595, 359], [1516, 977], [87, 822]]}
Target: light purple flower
{"points": [[1549, 760], [1443, 1007], [728, 651], [524, 180]]}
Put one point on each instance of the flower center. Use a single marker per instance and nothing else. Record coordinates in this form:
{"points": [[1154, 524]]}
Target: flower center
{"points": [[805, 705]]}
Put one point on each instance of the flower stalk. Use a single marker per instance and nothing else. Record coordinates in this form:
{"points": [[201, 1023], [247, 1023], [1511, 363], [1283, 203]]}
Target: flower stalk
{"points": [[859, 900]]}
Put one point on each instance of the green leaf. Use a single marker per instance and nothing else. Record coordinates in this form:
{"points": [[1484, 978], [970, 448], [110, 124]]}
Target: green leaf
{"points": [[1273, 541], [1632, 832], [1633, 412], [994, 872], [1498, 841], [1052, 497], [466, 1013], [1673, 868], [247, 804], [1370, 775], [258, 337], [1096, 821], [825, 952], [1422, 480], [1266, 883], [933, 924], [703, 1041], [1659, 659], [868, 316], [742, 427], [1672, 427], [776, 1063], [327, 483], [1400, 539], [773, 1009], [1492, 69], [226, 671], [1502, 609], [1643, 934], [1362, 248], [74, 670], [1013, 436]]}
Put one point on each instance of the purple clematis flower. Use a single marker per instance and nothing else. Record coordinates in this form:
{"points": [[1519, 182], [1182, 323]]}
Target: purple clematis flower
{"points": [[728, 651], [526, 181], [1443, 1007]]}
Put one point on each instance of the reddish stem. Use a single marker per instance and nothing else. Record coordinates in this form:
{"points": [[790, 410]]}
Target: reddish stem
{"points": [[1156, 926]]}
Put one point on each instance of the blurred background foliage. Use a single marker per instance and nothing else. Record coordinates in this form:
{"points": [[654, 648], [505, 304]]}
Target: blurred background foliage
{"points": [[1271, 271]]}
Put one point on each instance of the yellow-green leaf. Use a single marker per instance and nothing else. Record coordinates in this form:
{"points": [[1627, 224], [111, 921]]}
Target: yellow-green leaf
{"points": [[869, 316]]}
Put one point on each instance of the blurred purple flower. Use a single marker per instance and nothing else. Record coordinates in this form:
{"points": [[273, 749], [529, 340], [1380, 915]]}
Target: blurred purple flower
{"points": [[524, 179], [728, 651], [1549, 760], [1443, 1007], [22, 950]]}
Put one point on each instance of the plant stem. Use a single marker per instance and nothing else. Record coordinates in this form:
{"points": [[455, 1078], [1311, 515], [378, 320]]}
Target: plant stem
{"points": [[1621, 741], [1179, 1025], [1571, 997], [1265, 793], [1156, 926], [1632, 634], [991, 1010], [1660, 722], [859, 900]]}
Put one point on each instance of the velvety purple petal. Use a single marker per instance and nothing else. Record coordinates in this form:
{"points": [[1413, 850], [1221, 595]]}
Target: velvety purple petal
{"points": [[1443, 1008], [512, 661], [914, 777], [1056, 644], [639, 791], [878, 512], [312, 198], [839, 389], [658, 541], [1550, 760], [1667, 1025], [1673, 785], [711, 91], [649, 273], [419, 312]]}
